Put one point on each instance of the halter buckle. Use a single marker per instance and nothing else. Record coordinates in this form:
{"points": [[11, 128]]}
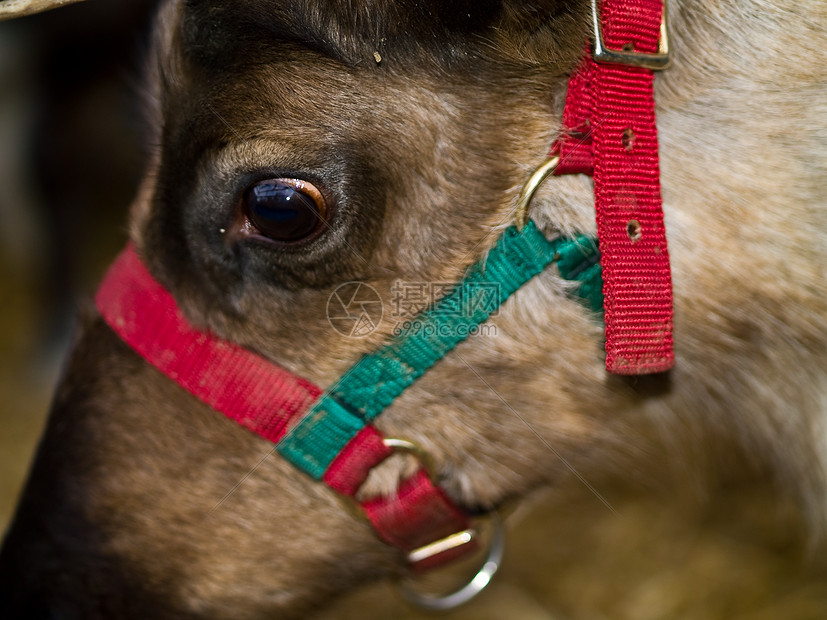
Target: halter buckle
{"points": [[654, 62]]}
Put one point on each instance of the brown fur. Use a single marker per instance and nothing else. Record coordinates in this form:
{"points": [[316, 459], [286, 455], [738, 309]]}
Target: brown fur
{"points": [[424, 153]]}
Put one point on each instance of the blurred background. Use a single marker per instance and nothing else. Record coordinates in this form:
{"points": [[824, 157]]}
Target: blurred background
{"points": [[71, 154]]}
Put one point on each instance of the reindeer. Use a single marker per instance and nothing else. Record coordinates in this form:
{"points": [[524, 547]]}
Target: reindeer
{"points": [[406, 131]]}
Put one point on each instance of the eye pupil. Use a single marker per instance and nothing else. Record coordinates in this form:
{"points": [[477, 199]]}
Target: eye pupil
{"points": [[284, 209]]}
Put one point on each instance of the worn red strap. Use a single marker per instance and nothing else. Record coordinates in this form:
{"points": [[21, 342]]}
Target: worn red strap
{"points": [[351, 467], [610, 132], [419, 514], [244, 386], [266, 399]]}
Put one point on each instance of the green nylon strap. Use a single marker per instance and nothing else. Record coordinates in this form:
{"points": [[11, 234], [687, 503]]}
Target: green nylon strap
{"points": [[372, 383], [579, 261]]}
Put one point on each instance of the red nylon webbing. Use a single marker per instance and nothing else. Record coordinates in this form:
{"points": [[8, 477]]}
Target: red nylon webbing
{"points": [[419, 514], [265, 398], [577, 138], [242, 385], [609, 125], [352, 465]]}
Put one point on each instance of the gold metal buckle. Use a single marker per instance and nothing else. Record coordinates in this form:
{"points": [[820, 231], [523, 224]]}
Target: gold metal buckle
{"points": [[656, 62]]}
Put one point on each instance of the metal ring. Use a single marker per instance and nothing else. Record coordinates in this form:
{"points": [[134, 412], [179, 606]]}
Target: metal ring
{"points": [[527, 193], [402, 446], [476, 585], [409, 447]]}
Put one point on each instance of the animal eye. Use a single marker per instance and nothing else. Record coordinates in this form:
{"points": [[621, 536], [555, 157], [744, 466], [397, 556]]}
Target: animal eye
{"points": [[285, 209]]}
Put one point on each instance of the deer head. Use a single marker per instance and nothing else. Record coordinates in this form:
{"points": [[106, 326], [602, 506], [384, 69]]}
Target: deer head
{"points": [[410, 127]]}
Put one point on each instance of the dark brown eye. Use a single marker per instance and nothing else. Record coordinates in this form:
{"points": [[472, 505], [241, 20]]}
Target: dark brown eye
{"points": [[285, 209]]}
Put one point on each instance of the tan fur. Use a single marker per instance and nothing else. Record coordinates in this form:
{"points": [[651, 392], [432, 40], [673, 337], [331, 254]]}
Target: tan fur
{"points": [[444, 145]]}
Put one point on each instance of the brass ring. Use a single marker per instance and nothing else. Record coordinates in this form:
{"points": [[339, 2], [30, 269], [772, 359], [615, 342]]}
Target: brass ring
{"points": [[408, 447], [527, 193]]}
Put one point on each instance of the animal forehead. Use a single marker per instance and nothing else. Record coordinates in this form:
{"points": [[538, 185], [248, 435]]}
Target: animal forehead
{"points": [[342, 28], [352, 31]]}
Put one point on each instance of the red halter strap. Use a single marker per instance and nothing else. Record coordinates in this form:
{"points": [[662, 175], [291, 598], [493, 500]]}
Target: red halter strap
{"points": [[267, 399], [609, 132]]}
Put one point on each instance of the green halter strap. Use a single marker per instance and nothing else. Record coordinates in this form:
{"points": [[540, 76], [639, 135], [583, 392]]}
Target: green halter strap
{"points": [[366, 389]]}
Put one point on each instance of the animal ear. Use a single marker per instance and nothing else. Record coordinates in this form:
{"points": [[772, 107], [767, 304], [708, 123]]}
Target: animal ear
{"points": [[9, 9], [544, 31]]}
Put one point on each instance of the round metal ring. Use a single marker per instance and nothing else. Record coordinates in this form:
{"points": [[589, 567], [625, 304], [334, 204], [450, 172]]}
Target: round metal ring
{"points": [[477, 584], [408, 447], [527, 193]]}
